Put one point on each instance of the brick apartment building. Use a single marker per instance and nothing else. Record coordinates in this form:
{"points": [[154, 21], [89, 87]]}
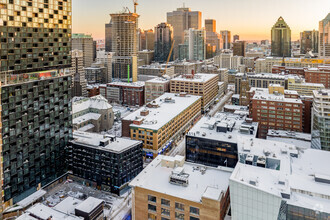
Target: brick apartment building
{"points": [[319, 75], [288, 70], [124, 93], [275, 108]]}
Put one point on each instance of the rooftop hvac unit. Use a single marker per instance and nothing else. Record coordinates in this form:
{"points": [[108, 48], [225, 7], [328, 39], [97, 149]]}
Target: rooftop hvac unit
{"points": [[179, 179]]}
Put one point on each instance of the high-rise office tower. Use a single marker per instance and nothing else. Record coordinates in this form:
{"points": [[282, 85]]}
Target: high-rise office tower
{"points": [[194, 47], [108, 36], [94, 50], [163, 42], [281, 39], [226, 39], [125, 46], [150, 39], [182, 19], [235, 38], [212, 37], [210, 25], [78, 73], [321, 120], [146, 39], [309, 41], [239, 48], [84, 43], [324, 30], [35, 95], [141, 40]]}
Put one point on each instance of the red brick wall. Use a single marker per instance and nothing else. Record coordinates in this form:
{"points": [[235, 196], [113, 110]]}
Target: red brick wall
{"points": [[125, 129]]}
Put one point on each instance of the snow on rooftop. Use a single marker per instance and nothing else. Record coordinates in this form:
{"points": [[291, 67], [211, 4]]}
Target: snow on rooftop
{"points": [[263, 94], [308, 202], [310, 163], [86, 118], [211, 184], [96, 102], [89, 204], [86, 127], [40, 211], [267, 76], [296, 173], [132, 84], [158, 80], [93, 140], [160, 116], [68, 205], [31, 198], [300, 140], [236, 107], [206, 127], [199, 77]]}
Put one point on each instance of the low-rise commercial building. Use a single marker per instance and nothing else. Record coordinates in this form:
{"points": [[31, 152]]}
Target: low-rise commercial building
{"points": [[213, 140], [275, 180], [184, 67], [125, 93], [262, 80], [107, 161], [287, 70], [162, 121], [265, 65], [170, 188], [156, 69], [205, 85], [300, 140], [156, 87], [93, 114], [298, 84]]}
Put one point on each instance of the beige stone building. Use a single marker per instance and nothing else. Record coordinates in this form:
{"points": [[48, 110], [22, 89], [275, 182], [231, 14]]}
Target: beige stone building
{"points": [[298, 84], [93, 114], [155, 88], [205, 85], [170, 188]]}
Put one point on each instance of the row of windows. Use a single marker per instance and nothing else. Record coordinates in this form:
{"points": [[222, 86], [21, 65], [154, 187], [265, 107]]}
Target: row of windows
{"points": [[165, 202]]}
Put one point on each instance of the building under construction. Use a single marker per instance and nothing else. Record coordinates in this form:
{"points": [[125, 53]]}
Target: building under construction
{"points": [[124, 44]]}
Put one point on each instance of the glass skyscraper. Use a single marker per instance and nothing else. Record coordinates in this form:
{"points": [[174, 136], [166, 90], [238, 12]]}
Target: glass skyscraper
{"points": [[35, 94]]}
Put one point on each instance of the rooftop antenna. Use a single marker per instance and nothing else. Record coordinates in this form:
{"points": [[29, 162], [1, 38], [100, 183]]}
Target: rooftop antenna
{"points": [[135, 5]]}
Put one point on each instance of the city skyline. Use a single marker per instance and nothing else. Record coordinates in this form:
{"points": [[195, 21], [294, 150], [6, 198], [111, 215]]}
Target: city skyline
{"points": [[306, 15]]}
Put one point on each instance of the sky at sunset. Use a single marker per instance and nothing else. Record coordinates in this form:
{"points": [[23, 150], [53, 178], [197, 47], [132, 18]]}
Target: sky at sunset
{"points": [[251, 19]]}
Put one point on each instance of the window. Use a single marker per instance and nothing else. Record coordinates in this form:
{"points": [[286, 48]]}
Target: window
{"points": [[152, 198], [164, 218], [179, 206], [151, 207], [194, 210], [179, 216], [165, 212], [193, 218], [151, 216], [165, 202]]}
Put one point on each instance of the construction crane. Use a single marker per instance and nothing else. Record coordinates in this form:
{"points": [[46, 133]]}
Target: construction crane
{"points": [[135, 4], [169, 56]]}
